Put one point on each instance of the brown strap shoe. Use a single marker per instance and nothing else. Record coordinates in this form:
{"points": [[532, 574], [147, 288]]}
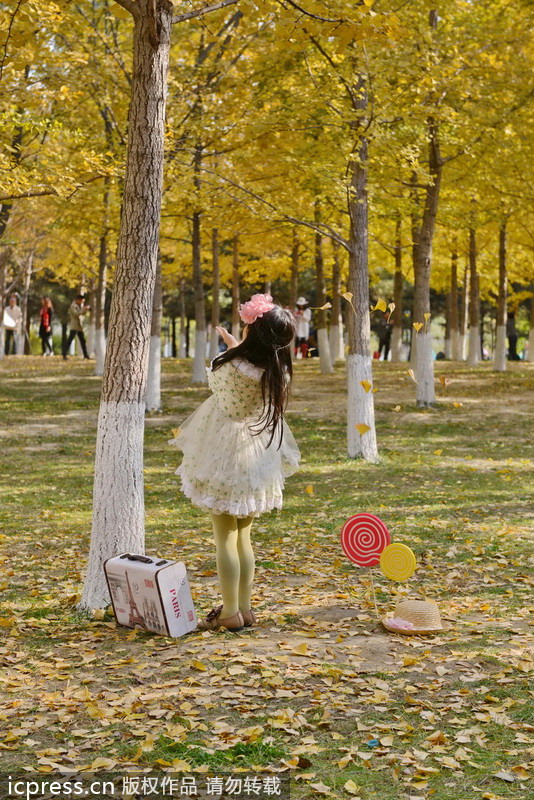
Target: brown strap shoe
{"points": [[213, 621], [249, 618]]}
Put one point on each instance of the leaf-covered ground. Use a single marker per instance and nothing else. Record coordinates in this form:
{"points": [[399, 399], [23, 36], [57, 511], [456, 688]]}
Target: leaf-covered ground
{"points": [[319, 689]]}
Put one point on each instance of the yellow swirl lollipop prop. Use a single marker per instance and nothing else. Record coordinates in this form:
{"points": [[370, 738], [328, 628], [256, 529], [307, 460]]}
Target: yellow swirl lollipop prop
{"points": [[397, 562]]}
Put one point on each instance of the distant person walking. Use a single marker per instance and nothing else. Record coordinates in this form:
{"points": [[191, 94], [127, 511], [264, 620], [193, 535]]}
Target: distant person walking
{"points": [[45, 326], [302, 316], [13, 326], [76, 311], [384, 331]]}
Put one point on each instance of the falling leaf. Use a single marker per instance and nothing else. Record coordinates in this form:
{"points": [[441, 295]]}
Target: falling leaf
{"points": [[322, 308], [427, 316], [309, 489], [348, 296], [457, 405], [438, 452], [362, 428], [391, 307], [396, 408], [366, 385], [380, 305], [444, 381], [418, 326], [411, 373]]}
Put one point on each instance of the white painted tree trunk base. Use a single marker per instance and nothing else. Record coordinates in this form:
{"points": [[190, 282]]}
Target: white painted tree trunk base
{"points": [[153, 383], [118, 495], [530, 346], [360, 409], [448, 349], [324, 351], [396, 345], [199, 361], [337, 347], [2, 342], [424, 371], [236, 332], [182, 349], [100, 350], [499, 358], [473, 350], [455, 345], [214, 344]]}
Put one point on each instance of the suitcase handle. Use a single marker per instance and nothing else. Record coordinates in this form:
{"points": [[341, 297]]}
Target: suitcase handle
{"points": [[144, 559]]}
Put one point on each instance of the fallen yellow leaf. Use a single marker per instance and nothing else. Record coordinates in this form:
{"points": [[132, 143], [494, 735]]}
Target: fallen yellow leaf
{"points": [[351, 787], [309, 489]]}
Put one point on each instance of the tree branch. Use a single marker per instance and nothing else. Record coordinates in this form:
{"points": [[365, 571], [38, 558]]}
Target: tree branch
{"points": [[130, 6], [199, 12], [309, 13]]}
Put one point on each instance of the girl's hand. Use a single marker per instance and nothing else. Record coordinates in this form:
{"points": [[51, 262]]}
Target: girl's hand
{"points": [[227, 338]]}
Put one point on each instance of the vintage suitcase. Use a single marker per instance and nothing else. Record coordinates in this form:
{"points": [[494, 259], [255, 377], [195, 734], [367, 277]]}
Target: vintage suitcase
{"points": [[151, 593]]}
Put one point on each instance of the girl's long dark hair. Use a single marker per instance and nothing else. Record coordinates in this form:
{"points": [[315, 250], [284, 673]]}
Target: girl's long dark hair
{"points": [[268, 345]]}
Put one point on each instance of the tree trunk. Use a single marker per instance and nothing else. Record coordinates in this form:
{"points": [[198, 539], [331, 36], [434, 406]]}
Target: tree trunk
{"points": [[153, 386], [464, 316], [24, 345], [396, 335], [453, 305], [216, 288], [267, 287], [360, 409], [530, 347], [320, 290], [91, 321], [235, 289], [424, 363], [500, 361], [294, 277], [337, 348], [118, 513], [199, 361], [473, 357], [100, 304], [4, 257], [182, 350]]}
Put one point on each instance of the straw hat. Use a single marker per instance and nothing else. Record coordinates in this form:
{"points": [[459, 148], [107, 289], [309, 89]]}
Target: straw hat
{"points": [[302, 301], [418, 616]]}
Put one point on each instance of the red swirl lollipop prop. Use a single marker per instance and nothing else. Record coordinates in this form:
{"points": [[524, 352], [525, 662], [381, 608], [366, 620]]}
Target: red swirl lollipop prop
{"points": [[363, 537]]}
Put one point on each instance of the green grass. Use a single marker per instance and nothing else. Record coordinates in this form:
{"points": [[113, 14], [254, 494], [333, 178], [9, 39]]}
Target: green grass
{"points": [[75, 689]]}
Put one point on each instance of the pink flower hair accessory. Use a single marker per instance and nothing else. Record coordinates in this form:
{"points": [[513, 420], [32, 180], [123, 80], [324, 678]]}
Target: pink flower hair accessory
{"points": [[257, 306]]}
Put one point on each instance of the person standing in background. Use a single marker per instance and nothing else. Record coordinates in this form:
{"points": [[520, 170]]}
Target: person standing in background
{"points": [[13, 315], [76, 311], [302, 316], [45, 326]]}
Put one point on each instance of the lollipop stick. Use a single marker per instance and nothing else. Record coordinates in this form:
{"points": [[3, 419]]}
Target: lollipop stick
{"points": [[373, 591]]}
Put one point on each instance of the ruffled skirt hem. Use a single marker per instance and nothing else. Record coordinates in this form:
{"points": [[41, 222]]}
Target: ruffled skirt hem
{"points": [[244, 507]]}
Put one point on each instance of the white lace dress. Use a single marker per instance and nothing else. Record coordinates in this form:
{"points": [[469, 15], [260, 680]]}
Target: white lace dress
{"points": [[226, 468]]}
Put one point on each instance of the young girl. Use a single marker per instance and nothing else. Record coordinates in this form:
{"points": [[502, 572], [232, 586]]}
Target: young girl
{"points": [[238, 449]]}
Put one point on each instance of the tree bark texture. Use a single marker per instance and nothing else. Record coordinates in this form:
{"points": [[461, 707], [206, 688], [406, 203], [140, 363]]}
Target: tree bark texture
{"points": [[453, 306], [473, 353], [464, 317], [216, 288], [500, 360], [337, 348], [396, 335], [530, 346], [100, 294], [153, 386], [182, 349], [360, 409], [236, 332], [118, 511], [199, 361], [320, 291], [294, 276]]}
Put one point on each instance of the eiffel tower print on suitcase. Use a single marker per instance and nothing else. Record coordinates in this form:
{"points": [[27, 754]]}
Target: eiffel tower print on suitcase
{"points": [[151, 593]]}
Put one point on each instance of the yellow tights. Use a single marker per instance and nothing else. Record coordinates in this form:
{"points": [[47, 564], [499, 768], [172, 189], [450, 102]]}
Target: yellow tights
{"points": [[235, 561]]}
